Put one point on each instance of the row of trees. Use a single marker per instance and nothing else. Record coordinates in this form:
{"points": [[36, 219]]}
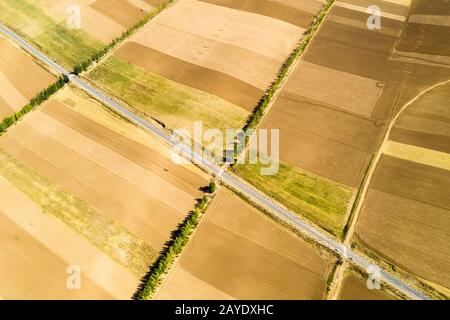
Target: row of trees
{"points": [[80, 67], [173, 248], [84, 65], [36, 101], [267, 99]]}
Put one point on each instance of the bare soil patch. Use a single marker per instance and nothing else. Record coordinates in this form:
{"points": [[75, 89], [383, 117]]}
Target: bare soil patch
{"points": [[355, 288], [193, 75], [123, 12], [274, 9], [408, 232], [246, 255]]}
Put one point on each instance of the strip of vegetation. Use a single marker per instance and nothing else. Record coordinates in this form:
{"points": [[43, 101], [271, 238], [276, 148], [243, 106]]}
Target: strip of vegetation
{"points": [[104, 233], [321, 201], [36, 101], [267, 99], [84, 65], [172, 250], [332, 274]]}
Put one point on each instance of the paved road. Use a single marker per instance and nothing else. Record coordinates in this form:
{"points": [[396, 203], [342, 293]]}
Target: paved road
{"points": [[227, 178]]}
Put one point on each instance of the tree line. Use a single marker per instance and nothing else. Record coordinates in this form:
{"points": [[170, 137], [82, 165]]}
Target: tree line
{"points": [[173, 249], [34, 102]]}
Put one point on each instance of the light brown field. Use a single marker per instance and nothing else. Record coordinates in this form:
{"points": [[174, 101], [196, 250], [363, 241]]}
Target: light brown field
{"points": [[342, 90], [229, 41], [350, 82], [299, 13], [38, 249], [405, 218], [106, 176], [125, 177], [101, 19], [355, 288], [21, 78], [239, 253], [233, 54]]}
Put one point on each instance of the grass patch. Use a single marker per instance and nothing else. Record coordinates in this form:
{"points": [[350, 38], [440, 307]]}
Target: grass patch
{"points": [[174, 104], [322, 201], [51, 36], [111, 238]]}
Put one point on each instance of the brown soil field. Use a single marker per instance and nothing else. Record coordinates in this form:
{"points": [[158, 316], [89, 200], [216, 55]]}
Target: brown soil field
{"points": [[32, 271], [122, 12], [335, 107], [386, 6], [293, 13], [411, 234], [322, 140], [432, 7], [238, 252], [101, 19], [115, 168], [342, 90], [426, 123], [436, 43], [104, 178], [426, 184], [405, 216], [234, 54], [355, 288], [439, 143], [21, 78], [208, 80], [251, 56], [38, 249]]}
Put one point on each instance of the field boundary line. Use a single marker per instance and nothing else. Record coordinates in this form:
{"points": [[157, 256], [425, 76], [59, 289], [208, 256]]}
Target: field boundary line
{"points": [[302, 225], [172, 251], [106, 51]]}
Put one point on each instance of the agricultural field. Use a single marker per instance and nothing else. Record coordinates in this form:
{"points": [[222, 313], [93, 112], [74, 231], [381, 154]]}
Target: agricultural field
{"points": [[21, 78], [354, 287], [89, 189], [335, 108], [182, 68], [238, 252], [45, 23], [406, 214]]}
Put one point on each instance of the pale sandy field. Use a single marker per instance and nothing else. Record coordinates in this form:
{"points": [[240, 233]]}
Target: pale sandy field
{"points": [[21, 78], [97, 185]]}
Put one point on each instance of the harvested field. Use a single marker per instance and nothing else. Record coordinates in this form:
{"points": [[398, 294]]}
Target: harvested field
{"points": [[177, 105], [299, 14], [34, 241], [233, 56], [21, 78], [355, 288], [245, 255], [334, 109], [45, 23], [103, 179], [406, 215]]}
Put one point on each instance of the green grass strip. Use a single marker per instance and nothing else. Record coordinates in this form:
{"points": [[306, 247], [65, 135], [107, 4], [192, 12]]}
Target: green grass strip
{"points": [[102, 232]]}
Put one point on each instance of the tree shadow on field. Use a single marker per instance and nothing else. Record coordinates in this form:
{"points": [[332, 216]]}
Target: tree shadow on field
{"points": [[165, 250]]}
